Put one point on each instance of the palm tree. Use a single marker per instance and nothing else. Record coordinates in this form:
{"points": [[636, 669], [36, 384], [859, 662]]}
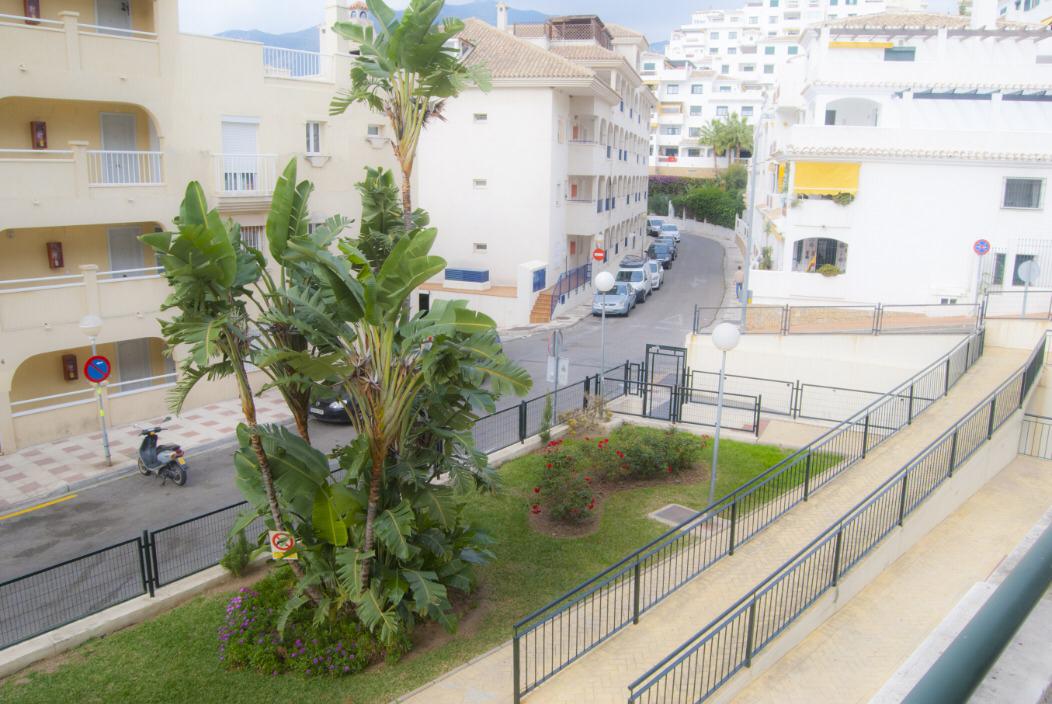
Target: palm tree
{"points": [[737, 134], [714, 135], [406, 70]]}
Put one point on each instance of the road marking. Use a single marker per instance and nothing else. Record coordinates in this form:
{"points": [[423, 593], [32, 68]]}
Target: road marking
{"points": [[59, 500]]}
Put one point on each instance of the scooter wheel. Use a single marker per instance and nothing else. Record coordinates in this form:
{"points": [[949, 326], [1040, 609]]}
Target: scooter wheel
{"points": [[178, 475], [142, 468]]}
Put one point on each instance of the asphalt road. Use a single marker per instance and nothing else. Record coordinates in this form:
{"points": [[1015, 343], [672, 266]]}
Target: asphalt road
{"points": [[121, 509]]}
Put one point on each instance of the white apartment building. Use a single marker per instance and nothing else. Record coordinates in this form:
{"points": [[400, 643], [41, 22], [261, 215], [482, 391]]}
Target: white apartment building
{"points": [[107, 111], [892, 145], [524, 181], [1030, 11], [721, 63]]}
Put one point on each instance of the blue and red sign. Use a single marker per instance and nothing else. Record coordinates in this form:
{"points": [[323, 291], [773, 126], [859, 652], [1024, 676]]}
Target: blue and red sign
{"points": [[97, 369], [981, 247]]}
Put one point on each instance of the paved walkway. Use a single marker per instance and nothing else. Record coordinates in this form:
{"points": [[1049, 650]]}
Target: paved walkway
{"points": [[604, 674], [852, 654], [41, 471]]}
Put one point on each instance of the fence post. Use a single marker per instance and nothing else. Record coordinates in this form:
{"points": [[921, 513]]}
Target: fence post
{"points": [[946, 384], [516, 674], [838, 548], [734, 524], [953, 451], [636, 580], [902, 499], [786, 317], [149, 579], [750, 638], [807, 476], [865, 437], [522, 421], [909, 412], [694, 326], [624, 389], [587, 390], [756, 415], [993, 409]]}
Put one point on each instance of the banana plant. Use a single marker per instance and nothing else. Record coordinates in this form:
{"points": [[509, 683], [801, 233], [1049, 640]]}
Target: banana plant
{"points": [[406, 69]]}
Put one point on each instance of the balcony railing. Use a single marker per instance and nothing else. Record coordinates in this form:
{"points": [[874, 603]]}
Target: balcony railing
{"points": [[245, 174], [119, 168], [293, 63]]}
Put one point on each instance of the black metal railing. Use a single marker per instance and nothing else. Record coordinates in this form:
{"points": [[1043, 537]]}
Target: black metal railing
{"points": [[854, 320], [1035, 439], [555, 635], [569, 282], [698, 667]]}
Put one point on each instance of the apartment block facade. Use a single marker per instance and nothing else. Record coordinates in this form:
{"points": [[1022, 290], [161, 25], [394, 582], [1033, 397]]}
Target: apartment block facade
{"points": [[526, 180], [107, 111], [894, 144]]}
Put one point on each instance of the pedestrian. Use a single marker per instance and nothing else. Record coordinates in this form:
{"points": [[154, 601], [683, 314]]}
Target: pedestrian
{"points": [[739, 279]]}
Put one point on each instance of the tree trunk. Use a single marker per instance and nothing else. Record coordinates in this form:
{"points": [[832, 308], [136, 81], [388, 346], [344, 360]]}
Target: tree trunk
{"points": [[407, 200], [369, 541]]}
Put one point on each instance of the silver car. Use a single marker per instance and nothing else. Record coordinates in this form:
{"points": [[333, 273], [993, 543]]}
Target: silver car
{"points": [[656, 273], [670, 230], [618, 301]]}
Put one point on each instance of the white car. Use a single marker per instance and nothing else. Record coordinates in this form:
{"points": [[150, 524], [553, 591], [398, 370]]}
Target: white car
{"points": [[651, 269], [670, 230], [656, 273], [654, 226], [638, 279]]}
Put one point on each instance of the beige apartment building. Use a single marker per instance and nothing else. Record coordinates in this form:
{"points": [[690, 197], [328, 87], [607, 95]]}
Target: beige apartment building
{"points": [[107, 111]]}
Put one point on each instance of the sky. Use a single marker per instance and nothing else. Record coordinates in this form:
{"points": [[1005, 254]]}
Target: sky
{"points": [[655, 18]]}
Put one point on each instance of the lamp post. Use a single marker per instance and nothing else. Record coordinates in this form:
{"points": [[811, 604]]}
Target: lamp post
{"points": [[91, 325], [725, 337], [604, 281]]}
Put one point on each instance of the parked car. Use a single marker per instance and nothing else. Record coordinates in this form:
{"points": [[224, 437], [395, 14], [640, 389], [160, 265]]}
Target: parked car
{"points": [[652, 268], [637, 278], [618, 301], [654, 226], [670, 230], [670, 243], [330, 410], [662, 253]]}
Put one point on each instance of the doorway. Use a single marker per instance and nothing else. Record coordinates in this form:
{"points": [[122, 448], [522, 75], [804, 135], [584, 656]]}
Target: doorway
{"points": [[113, 16], [126, 252], [133, 363], [423, 302], [119, 144]]}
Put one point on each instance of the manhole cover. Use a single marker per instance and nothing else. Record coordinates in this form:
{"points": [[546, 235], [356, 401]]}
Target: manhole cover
{"points": [[673, 514]]}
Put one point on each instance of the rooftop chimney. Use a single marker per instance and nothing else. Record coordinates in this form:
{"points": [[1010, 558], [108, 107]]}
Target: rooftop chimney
{"points": [[984, 14], [502, 16]]}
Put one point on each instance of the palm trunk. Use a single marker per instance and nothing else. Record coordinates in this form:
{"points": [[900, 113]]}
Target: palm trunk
{"points": [[369, 541], [407, 200]]}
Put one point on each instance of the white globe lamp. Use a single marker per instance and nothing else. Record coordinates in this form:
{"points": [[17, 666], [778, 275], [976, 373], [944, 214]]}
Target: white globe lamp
{"points": [[604, 281], [726, 336]]}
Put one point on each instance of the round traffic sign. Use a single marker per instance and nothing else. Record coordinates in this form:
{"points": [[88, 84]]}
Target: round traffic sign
{"points": [[598, 254], [1028, 272], [981, 247], [97, 369], [282, 542]]}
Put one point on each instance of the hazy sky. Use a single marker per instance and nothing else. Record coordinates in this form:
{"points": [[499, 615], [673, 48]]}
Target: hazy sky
{"points": [[655, 18]]}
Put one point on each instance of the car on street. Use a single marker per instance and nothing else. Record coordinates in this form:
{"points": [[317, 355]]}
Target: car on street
{"points": [[654, 226], [670, 243], [330, 410], [671, 230], [637, 278], [652, 268], [662, 253], [618, 301]]}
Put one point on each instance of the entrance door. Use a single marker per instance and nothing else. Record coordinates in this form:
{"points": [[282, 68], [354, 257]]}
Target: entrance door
{"points": [[114, 15], [240, 160], [126, 252], [663, 381], [133, 362], [119, 162]]}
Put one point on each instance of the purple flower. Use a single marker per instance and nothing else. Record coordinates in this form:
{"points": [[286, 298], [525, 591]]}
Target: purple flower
{"points": [[308, 671]]}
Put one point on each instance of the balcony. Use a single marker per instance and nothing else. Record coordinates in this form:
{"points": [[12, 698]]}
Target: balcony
{"points": [[822, 139], [587, 158], [818, 212], [295, 64], [118, 168], [244, 175]]}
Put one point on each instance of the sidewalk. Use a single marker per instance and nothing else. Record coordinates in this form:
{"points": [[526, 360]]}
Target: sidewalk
{"points": [[851, 655], [603, 675], [43, 471]]}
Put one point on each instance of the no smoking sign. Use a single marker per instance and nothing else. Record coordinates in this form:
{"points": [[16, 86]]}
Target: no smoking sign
{"points": [[282, 545]]}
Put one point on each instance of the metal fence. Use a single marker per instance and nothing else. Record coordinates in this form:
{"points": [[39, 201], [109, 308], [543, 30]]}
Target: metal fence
{"points": [[1035, 438], [696, 669], [855, 320], [682, 404], [1035, 303], [557, 634]]}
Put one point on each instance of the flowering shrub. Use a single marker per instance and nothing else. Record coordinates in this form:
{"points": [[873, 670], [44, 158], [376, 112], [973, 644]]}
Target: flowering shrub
{"points": [[565, 493], [649, 453], [249, 637]]}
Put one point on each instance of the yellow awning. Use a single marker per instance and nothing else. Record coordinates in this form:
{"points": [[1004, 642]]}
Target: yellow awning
{"points": [[825, 177], [781, 178]]}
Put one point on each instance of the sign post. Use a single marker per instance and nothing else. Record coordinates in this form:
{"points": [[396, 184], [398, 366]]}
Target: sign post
{"points": [[96, 370], [981, 249], [556, 374], [1028, 271]]}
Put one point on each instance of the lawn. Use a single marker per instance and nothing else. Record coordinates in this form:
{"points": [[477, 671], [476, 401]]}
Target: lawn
{"points": [[172, 658]]}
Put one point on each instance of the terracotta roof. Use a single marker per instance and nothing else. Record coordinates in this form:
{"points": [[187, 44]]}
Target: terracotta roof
{"points": [[913, 20], [969, 154], [509, 57], [617, 30], [584, 52]]}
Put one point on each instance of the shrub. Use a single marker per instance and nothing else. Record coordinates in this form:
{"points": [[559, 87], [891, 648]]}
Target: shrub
{"points": [[588, 420], [766, 258], [546, 420], [250, 639], [735, 177], [238, 554], [649, 453], [829, 270], [564, 492], [712, 204], [844, 198]]}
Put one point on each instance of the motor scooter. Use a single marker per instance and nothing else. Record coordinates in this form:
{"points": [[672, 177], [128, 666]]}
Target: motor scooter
{"points": [[166, 461]]}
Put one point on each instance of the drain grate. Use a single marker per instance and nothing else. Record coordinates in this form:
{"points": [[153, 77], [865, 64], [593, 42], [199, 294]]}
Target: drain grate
{"points": [[672, 515]]}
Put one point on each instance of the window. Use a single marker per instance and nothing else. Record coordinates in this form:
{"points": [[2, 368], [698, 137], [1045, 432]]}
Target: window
{"points": [[481, 117], [832, 3], [670, 130], [714, 35], [480, 183], [479, 246], [1023, 193], [672, 89], [830, 117], [697, 89], [722, 111], [900, 53], [793, 50], [695, 111], [747, 111], [714, 50], [850, 2], [754, 20], [649, 66], [768, 50], [1019, 260], [748, 67], [694, 131], [373, 130], [253, 236], [768, 68], [732, 50], [693, 152], [314, 138], [725, 68], [948, 301], [725, 89], [732, 35], [999, 269]]}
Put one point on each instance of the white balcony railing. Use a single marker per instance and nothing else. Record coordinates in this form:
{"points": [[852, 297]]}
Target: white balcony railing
{"points": [[245, 174], [293, 63], [118, 168]]}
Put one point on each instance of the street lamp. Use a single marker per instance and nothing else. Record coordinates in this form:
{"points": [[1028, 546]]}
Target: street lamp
{"points": [[604, 281], [725, 337], [91, 325]]}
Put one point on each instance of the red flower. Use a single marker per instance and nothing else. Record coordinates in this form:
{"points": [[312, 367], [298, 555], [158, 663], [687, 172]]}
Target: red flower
{"points": [[549, 465], [536, 508], [588, 479], [536, 490], [669, 469], [620, 454]]}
